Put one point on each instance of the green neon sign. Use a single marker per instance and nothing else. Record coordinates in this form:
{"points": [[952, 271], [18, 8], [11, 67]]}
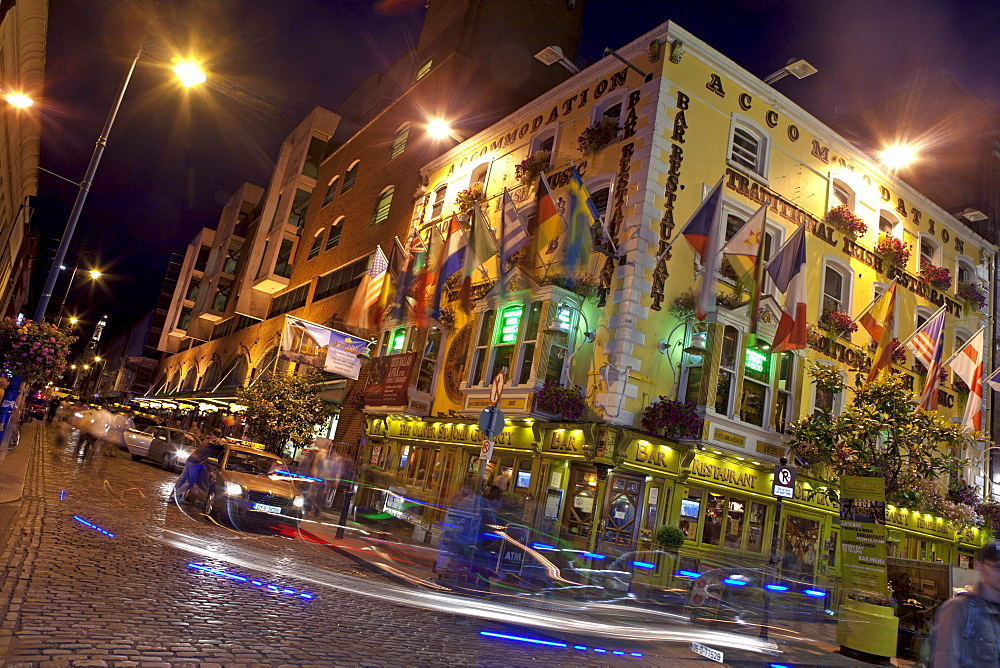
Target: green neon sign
{"points": [[756, 361], [396, 342], [510, 324]]}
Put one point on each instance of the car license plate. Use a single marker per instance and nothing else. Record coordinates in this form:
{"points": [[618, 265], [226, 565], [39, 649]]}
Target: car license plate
{"points": [[264, 508]]}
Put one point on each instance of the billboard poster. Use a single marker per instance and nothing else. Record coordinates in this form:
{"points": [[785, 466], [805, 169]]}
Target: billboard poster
{"points": [[305, 342], [389, 380], [862, 548]]}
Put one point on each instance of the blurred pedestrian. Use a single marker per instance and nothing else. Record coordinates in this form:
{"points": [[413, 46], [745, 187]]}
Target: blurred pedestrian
{"points": [[966, 631], [195, 465], [54, 404]]}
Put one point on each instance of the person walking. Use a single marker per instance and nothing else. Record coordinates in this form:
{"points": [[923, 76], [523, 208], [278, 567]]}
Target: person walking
{"points": [[966, 631], [54, 404], [195, 464]]}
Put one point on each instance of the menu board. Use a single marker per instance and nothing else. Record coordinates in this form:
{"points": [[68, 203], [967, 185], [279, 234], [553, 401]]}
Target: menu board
{"points": [[862, 547]]}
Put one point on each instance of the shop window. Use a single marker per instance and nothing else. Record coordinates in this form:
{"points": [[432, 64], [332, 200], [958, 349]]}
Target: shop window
{"points": [[482, 351], [395, 341], [656, 498], [579, 513], [690, 513], [382, 204], [350, 177], [783, 391], [715, 509], [727, 370], [333, 239], [331, 190], [736, 510], [437, 203], [756, 382], [317, 244], [419, 468], [755, 528], [529, 342], [799, 547], [399, 141], [698, 337], [432, 350], [748, 146]]}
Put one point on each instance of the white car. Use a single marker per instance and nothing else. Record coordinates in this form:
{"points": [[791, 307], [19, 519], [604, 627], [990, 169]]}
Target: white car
{"points": [[167, 446]]}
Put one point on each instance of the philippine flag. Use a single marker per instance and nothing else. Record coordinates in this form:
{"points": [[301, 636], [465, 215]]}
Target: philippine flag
{"points": [[787, 270]]}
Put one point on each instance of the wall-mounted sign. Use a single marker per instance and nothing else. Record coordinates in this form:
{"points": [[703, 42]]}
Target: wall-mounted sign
{"points": [[305, 342], [389, 380]]}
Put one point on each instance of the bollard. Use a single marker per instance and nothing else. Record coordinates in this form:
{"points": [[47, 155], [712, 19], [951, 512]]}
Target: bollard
{"points": [[344, 508]]}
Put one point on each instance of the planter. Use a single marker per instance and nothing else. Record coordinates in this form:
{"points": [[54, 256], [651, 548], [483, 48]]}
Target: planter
{"points": [[868, 628]]}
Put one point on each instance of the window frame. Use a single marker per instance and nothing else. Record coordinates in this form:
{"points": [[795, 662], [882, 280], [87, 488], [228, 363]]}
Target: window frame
{"points": [[850, 195], [331, 190], [398, 144], [332, 241], [763, 154], [350, 176], [836, 265], [935, 255], [317, 245], [384, 199]]}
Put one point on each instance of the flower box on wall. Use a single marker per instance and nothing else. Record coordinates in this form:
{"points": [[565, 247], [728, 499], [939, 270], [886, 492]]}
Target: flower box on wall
{"points": [[842, 218]]}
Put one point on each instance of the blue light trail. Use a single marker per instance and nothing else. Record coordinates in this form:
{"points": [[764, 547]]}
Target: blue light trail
{"points": [[93, 526], [551, 643], [256, 583]]}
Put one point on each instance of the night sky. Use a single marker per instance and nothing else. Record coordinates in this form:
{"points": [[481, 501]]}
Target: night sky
{"points": [[175, 156]]}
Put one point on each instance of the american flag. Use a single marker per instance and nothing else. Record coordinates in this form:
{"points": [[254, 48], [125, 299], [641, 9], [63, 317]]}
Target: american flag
{"points": [[926, 344], [367, 293]]}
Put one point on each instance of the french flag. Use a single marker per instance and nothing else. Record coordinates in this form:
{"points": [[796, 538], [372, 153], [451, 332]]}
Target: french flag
{"points": [[701, 231], [787, 270], [452, 258]]}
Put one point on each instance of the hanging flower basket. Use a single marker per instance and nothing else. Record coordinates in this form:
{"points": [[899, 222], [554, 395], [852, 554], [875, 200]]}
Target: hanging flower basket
{"points": [[685, 306], [470, 197], [599, 135], [565, 402], [730, 300], [673, 419], [581, 283], [898, 352], [938, 277], [529, 169], [893, 250], [973, 295], [842, 218], [35, 351], [989, 515], [837, 323]]}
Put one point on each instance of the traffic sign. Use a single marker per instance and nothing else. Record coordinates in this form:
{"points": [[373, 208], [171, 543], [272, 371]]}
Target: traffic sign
{"points": [[784, 481], [491, 421], [487, 450], [496, 387]]}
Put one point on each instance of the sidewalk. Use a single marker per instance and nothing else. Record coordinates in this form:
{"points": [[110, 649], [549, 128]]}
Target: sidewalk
{"points": [[14, 466]]}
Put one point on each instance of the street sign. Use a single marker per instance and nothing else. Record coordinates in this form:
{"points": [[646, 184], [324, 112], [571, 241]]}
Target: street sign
{"points": [[784, 481], [491, 422], [496, 387], [486, 452]]}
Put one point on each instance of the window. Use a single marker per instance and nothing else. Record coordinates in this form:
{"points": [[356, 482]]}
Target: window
{"points": [[928, 251], [733, 225], [316, 245], [184, 319], [423, 70], [482, 350], [842, 196], [341, 280], [350, 176], [579, 513], [505, 338], [614, 113], [232, 260], [382, 205], [202, 261], [222, 295], [834, 290], [331, 190], [756, 387], [529, 342], [783, 394], [395, 341], [690, 513], [543, 141], [693, 368], [964, 272], [748, 146], [715, 506], [297, 216], [479, 176], [333, 239], [600, 199], [289, 301], [310, 168], [210, 378], [237, 373], [432, 350], [825, 401], [727, 370], [283, 263], [437, 204], [399, 141], [887, 223], [192, 291]]}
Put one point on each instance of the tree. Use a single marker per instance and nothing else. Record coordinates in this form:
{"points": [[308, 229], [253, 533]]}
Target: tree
{"points": [[881, 434], [283, 408]]}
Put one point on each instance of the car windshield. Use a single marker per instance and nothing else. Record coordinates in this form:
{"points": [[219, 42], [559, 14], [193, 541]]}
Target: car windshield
{"points": [[252, 462]]}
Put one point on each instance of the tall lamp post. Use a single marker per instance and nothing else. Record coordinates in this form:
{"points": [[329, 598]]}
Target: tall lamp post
{"points": [[94, 275], [189, 76]]}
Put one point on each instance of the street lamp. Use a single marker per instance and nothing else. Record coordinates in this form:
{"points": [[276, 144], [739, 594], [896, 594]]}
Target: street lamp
{"points": [[897, 156], [797, 67], [94, 275], [18, 100], [438, 128]]}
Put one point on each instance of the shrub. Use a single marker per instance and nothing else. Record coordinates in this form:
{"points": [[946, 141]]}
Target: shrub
{"points": [[962, 492], [673, 419], [670, 537], [566, 402]]}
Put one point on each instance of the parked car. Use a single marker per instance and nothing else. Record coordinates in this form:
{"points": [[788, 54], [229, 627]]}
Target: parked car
{"points": [[167, 446], [245, 484], [35, 407]]}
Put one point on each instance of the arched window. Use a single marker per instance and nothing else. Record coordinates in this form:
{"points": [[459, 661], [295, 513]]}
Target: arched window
{"points": [[399, 141], [190, 378], [599, 196], [437, 203], [964, 273], [479, 176], [836, 288], [544, 140], [748, 146], [331, 190], [350, 176], [210, 378], [887, 223], [317, 244], [841, 194], [610, 107], [928, 251], [333, 239], [382, 204], [727, 371], [237, 374]]}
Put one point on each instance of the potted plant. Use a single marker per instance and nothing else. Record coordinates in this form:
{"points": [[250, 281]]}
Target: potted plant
{"points": [[938, 277], [842, 218], [470, 197], [684, 307], [673, 419], [893, 250], [669, 537], [581, 283], [973, 295], [563, 402], [531, 167], [837, 323], [602, 133]]}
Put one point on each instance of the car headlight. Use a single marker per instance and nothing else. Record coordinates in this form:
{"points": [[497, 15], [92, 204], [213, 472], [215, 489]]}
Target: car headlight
{"points": [[233, 489], [182, 455], [299, 501]]}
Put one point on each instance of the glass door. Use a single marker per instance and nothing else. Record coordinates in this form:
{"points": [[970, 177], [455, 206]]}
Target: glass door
{"points": [[621, 517]]}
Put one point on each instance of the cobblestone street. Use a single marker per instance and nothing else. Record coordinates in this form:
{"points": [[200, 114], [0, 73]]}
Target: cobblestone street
{"points": [[71, 594]]}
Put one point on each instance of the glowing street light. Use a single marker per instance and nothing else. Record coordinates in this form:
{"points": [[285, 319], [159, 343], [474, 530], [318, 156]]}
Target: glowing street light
{"points": [[189, 73], [94, 274], [438, 129], [18, 100], [897, 156]]}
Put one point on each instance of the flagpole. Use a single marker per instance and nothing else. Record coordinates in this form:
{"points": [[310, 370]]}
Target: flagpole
{"points": [[555, 205], [758, 276], [918, 329], [877, 297], [964, 345], [600, 218], [680, 234]]}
